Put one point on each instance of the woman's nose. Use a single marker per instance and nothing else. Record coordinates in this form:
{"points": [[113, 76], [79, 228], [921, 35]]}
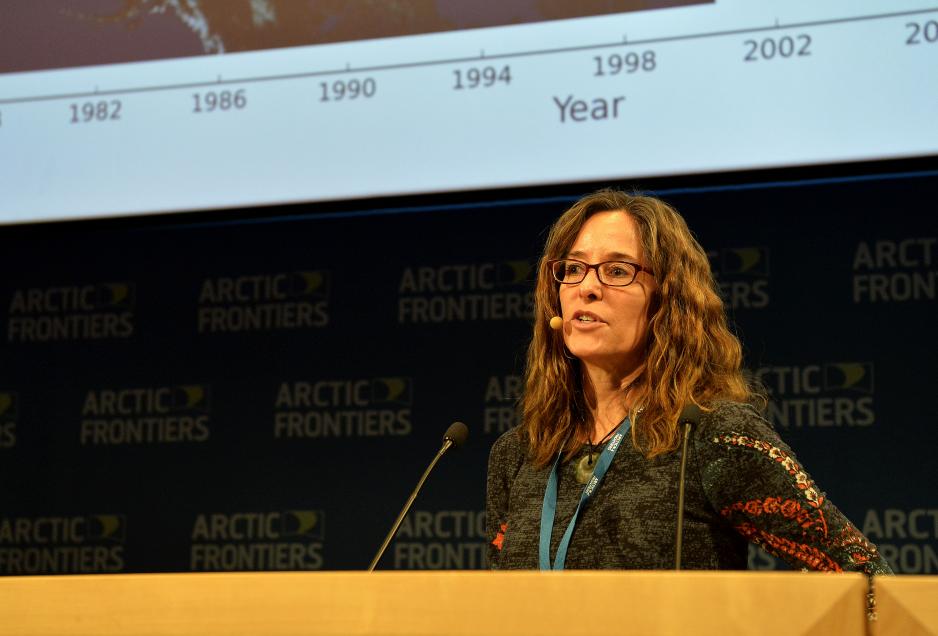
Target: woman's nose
{"points": [[590, 286]]}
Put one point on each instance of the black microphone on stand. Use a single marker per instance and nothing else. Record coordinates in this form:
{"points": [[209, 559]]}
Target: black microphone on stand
{"points": [[455, 436], [689, 418]]}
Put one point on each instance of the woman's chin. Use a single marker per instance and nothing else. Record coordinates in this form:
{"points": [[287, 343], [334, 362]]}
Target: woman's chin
{"points": [[591, 355]]}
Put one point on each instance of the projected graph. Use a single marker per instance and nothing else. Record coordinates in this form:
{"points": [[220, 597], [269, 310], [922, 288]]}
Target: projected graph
{"points": [[731, 85], [88, 32]]}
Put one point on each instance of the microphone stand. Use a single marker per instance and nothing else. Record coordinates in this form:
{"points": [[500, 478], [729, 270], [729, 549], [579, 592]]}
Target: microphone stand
{"points": [[690, 417], [447, 443], [679, 532]]}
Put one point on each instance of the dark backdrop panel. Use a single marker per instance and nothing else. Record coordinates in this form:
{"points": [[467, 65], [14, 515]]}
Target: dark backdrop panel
{"points": [[264, 395]]}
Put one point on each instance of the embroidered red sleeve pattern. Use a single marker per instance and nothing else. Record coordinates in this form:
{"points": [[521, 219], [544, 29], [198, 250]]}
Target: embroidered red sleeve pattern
{"points": [[775, 504]]}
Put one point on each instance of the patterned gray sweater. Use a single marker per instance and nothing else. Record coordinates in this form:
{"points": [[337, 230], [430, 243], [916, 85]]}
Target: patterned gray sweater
{"points": [[743, 484]]}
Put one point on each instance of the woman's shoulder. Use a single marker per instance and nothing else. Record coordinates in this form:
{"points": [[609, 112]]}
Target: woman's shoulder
{"points": [[739, 418], [736, 425], [510, 443], [509, 450]]}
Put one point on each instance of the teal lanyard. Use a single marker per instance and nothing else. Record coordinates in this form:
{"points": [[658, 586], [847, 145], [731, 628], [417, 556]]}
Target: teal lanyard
{"points": [[549, 509]]}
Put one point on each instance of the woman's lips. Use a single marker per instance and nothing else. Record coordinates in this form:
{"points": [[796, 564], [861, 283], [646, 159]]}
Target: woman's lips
{"points": [[586, 320]]}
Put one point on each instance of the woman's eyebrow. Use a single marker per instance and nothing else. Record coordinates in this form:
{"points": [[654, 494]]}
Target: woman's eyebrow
{"points": [[609, 256]]}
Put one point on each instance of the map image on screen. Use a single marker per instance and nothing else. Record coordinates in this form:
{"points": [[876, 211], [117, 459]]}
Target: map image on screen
{"points": [[89, 32]]}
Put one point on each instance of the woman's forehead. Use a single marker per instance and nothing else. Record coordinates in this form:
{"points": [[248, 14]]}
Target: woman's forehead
{"points": [[613, 235]]}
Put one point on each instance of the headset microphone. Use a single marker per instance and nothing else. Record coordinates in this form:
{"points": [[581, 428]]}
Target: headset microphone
{"points": [[556, 323]]}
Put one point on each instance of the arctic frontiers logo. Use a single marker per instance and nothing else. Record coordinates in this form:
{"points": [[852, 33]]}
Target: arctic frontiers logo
{"points": [[261, 302], [743, 276], [500, 412], [62, 545], [8, 416], [147, 415], [79, 312], [343, 408], [907, 538], [286, 540], [895, 271], [441, 539], [820, 395], [465, 292]]}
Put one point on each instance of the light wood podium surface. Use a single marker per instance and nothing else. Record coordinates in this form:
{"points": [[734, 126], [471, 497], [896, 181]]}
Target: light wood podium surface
{"points": [[518, 603], [906, 605]]}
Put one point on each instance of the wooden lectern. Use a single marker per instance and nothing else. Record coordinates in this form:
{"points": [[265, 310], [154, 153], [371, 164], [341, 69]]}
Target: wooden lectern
{"points": [[906, 605], [517, 603]]}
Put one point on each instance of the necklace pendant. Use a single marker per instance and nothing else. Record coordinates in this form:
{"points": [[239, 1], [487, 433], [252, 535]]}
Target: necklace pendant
{"points": [[584, 468]]}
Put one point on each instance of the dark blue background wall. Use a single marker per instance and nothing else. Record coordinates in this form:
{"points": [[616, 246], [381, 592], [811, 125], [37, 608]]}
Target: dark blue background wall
{"points": [[146, 424]]}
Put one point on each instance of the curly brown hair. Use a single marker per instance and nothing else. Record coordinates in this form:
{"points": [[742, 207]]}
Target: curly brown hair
{"points": [[690, 353]]}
